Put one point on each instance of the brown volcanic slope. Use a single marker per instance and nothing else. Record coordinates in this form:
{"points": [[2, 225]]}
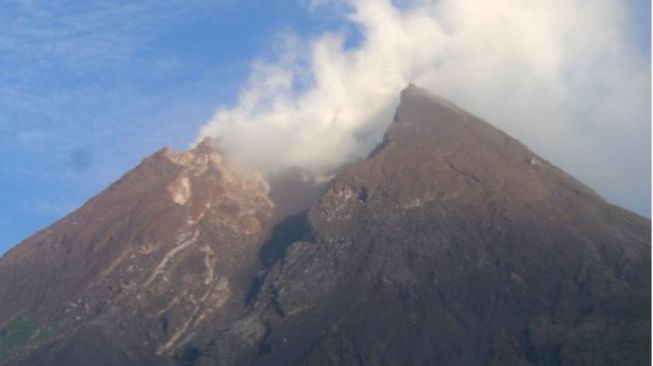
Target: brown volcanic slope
{"points": [[163, 252], [452, 244]]}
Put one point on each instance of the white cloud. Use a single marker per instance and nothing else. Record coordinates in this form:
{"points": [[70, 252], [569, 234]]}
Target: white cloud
{"points": [[564, 76]]}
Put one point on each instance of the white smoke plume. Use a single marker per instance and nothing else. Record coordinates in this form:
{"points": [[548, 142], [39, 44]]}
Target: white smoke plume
{"points": [[564, 76]]}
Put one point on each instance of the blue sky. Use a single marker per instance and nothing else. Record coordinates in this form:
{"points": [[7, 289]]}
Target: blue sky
{"points": [[89, 88]]}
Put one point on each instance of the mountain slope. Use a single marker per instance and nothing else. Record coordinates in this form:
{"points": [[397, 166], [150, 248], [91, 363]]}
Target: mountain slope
{"points": [[164, 251], [451, 244]]}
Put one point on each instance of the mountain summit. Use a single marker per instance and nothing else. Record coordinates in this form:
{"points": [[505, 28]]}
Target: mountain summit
{"points": [[451, 244]]}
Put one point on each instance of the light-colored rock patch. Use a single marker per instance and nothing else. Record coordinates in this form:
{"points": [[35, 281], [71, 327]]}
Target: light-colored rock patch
{"points": [[180, 190]]}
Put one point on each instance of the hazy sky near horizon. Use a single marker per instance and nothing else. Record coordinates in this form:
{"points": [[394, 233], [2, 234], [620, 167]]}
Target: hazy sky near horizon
{"points": [[89, 88]]}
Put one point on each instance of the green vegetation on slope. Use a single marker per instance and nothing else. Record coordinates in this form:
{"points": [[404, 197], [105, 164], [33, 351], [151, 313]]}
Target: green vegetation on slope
{"points": [[16, 335]]}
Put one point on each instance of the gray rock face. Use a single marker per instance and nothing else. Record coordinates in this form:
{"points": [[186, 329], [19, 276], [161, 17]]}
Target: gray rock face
{"points": [[452, 244]]}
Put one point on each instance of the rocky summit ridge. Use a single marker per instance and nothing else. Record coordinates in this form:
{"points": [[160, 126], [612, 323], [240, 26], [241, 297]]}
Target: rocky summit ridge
{"points": [[451, 244]]}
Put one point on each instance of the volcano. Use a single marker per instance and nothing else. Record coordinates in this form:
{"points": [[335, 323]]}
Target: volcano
{"points": [[450, 244]]}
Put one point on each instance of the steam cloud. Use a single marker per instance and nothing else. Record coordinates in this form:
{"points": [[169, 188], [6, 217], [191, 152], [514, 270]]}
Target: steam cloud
{"points": [[564, 76]]}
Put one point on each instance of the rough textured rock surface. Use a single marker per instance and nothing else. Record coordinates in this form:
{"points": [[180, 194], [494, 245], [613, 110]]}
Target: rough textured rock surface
{"points": [[163, 253], [452, 244]]}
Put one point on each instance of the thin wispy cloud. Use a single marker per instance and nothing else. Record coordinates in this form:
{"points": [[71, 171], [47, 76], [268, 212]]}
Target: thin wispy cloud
{"points": [[564, 76], [74, 33]]}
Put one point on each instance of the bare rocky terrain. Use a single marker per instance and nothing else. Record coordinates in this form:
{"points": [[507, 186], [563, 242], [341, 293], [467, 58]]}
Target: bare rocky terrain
{"points": [[451, 244]]}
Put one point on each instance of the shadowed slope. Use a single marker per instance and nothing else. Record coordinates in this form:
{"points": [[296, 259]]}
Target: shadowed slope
{"points": [[454, 244]]}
